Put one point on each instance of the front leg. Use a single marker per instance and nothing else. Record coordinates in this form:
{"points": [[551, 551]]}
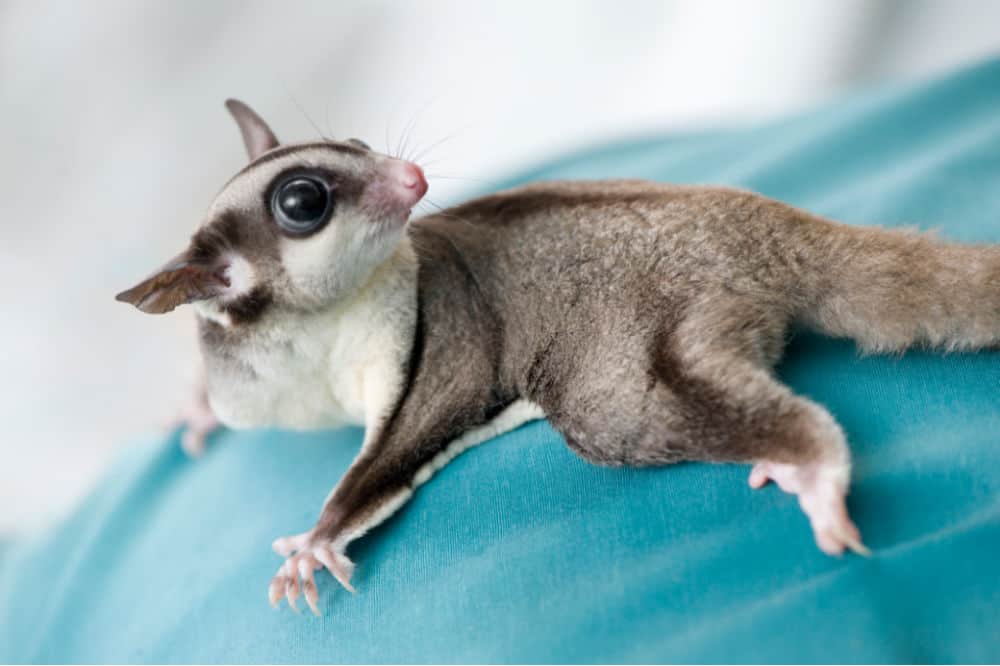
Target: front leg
{"points": [[381, 479], [371, 490]]}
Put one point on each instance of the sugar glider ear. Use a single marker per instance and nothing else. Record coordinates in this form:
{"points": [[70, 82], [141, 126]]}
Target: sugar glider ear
{"points": [[257, 136], [183, 279]]}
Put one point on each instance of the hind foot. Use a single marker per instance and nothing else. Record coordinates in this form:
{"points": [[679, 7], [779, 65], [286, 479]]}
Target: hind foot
{"points": [[821, 488]]}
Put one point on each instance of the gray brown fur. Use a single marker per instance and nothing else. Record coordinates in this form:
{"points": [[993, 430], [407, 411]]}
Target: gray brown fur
{"points": [[646, 319]]}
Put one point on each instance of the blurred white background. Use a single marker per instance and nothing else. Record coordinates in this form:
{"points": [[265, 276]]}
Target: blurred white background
{"points": [[114, 140]]}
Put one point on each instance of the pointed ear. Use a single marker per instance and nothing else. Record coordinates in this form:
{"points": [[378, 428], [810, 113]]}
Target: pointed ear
{"points": [[182, 280], [257, 136]]}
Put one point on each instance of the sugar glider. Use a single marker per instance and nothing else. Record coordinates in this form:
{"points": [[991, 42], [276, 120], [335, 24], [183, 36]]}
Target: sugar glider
{"points": [[643, 320]]}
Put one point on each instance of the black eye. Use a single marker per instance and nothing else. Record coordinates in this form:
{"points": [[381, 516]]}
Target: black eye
{"points": [[302, 204]]}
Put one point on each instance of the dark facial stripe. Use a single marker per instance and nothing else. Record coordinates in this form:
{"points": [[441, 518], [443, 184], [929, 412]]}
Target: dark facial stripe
{"points": [[223, 233], [251, 307]]}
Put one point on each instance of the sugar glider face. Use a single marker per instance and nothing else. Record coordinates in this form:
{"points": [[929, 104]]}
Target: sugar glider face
{"points": [[300, 227]]}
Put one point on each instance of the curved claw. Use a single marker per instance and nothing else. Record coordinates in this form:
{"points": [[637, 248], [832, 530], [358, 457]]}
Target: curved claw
{"points": [[856, 546], [338, 565], [292, 593], [275, 591], [307, 565], [312, 595]]}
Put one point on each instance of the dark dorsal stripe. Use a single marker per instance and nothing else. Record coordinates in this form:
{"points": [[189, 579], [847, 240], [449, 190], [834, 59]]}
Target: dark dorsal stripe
{"points": [[283, 151]]}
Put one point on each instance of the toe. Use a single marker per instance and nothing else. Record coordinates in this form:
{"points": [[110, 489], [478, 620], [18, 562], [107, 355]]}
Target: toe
{"points": [[311, 594], [193, 442], [288, 546], [758, 476], [283, 547]]}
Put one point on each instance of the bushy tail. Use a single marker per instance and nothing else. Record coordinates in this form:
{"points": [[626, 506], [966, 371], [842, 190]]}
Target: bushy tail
{"points": [[893, 289]]}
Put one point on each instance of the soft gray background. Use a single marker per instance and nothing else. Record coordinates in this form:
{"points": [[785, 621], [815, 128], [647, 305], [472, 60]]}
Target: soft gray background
{"points": [[114, 140]]}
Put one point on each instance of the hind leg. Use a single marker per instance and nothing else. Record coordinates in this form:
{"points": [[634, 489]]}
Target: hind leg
{"points": [[719, 405], [798, 445], [747, 415], [789, 440]]}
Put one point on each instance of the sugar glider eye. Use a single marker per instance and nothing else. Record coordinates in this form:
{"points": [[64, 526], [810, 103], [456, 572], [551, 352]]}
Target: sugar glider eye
{"points": [[302, 204]]}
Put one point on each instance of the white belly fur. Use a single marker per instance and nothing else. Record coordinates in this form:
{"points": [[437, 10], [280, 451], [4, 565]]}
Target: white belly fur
{"points": [[516, 414]]}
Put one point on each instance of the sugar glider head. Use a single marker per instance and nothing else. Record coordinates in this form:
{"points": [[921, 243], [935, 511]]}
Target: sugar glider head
{"points": [[300, 227]]}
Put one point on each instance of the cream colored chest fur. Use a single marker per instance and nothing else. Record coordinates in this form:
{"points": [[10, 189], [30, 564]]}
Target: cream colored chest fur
{"points": [[342, 366]]}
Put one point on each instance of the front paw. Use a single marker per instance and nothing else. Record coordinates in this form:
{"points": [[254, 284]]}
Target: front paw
{"points": [[305, 554], [198, 420]]}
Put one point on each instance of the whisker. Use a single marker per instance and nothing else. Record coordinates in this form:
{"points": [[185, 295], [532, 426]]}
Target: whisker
{"points": [[429, 202], [406, 137], [399, 144], [433, 203], [423, 153], [326, 114], [306, 115], [423, 210], [445, 177], [391, 151], [431, 164], [417, 117], [443, 212]]}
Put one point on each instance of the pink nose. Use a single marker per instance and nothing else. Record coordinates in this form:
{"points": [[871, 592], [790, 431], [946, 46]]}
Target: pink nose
{"points": [[408, 182]]}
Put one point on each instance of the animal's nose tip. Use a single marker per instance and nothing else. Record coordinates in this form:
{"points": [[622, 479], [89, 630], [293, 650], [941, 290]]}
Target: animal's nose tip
{"points": [[406, 182], [411, 177]]}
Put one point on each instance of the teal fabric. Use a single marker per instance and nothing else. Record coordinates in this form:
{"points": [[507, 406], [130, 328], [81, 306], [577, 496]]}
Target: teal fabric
{"points": [[519, 551]]}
